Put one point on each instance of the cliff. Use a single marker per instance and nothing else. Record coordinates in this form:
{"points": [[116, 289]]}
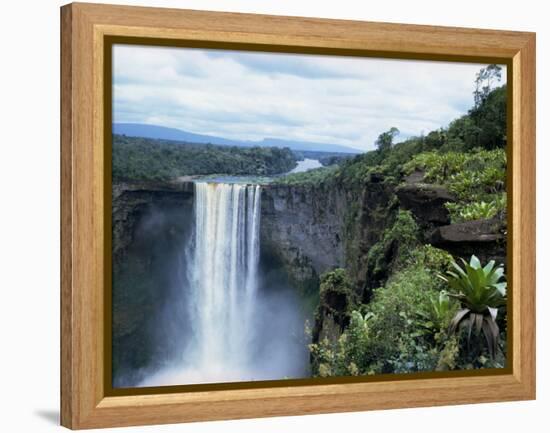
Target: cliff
{"points": [[152, 223], [302, 228], [131, 201], [314, 229], [305, 231]]}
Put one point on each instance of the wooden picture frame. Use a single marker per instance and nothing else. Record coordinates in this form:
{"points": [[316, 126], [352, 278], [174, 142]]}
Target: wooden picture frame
{"points": [[85, 222]]}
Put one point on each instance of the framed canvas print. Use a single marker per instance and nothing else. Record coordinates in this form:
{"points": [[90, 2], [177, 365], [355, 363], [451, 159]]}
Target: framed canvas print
{"points": [[269, 216]]}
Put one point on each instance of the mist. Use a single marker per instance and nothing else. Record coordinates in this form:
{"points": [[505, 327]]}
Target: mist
{"points": [[227, 315]]}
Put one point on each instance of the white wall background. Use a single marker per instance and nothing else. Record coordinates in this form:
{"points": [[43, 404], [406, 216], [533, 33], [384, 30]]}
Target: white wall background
{"points": [[29, 217]]}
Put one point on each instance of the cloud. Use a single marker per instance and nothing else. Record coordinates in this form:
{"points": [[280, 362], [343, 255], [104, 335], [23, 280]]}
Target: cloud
{"points": [[246, 95]]}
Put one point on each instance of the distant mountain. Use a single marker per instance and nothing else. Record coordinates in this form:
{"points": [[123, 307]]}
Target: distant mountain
{"points": [[164, 133]]}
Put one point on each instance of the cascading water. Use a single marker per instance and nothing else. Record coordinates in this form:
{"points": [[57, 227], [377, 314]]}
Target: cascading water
{"points": [[233, 330], [224, 273]]}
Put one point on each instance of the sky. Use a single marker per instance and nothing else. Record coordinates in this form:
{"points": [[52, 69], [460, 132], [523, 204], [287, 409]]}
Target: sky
{"points": [[250, 96]]}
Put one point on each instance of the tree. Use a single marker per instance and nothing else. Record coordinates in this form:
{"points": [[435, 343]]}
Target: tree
{"points": [[385, 140], [485, 80]]}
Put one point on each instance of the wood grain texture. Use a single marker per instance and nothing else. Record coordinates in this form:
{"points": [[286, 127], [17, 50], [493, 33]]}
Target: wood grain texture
{"points": [[67, 394], [524, 215], [84, 26]]}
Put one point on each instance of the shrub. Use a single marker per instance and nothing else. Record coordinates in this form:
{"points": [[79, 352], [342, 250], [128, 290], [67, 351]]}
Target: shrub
{"points": [[461, 212], [481, 293], [389, 334], [395, 247], [432, 258], [439, 313], [456, 168], [336, 292], [477, 179]]}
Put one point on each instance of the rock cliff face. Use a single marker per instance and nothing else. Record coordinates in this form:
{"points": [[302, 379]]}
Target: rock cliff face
{"points": [[485, 238], [131, 201], [305, 231], [311, 230], [426, 202], [151, 224], [302, 228]]}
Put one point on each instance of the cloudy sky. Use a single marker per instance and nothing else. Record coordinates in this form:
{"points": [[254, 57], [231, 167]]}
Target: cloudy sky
{"points": [[249, 96]]}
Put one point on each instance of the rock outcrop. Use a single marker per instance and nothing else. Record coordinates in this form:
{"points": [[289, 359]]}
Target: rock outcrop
{"points": [[312, 230], [302, 228], [426, 202], [131, 200], [485, 238], [151, 223]]}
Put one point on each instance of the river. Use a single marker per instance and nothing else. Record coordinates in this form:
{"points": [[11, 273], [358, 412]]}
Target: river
{"points": [[305, 165]]}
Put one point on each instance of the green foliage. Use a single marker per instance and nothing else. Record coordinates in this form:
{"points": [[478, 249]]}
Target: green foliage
{"points": [[438, 314], [413, 323], [314, 177], [357, 171], [395, 247], [148, 159], [485, 79], [344, 357], [481, 293], [335, 281], [385, 140], [489, 119], [405, 326], [477, 179], [479, 166], [391, 333], [334, 159], [336, 288], [461, 212], [432, 258]]}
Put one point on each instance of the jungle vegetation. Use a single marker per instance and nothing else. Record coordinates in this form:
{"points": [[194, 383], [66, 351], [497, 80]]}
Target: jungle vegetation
{"points": [[433, 311], [468, 156], [136, 158]]}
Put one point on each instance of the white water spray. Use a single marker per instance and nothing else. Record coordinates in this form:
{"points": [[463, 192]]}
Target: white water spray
{"points": [[237, 333], [224, 273]]}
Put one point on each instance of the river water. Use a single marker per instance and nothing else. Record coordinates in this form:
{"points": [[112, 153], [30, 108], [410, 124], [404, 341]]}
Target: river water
{"points": [[305, 165]]}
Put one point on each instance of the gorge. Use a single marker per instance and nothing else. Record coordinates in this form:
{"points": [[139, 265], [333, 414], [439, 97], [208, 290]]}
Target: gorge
{"points": [[215, 304], [229, 273]]}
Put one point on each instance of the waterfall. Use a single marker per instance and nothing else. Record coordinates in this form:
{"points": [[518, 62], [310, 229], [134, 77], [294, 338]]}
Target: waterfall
{"points": [[231, 330], [223, 275]]}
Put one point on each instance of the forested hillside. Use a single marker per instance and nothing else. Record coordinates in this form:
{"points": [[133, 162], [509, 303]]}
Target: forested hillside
{"points": [[404, 300], [137, 158]]}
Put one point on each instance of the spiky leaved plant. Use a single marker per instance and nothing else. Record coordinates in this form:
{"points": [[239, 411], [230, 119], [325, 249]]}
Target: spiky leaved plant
{"points": [[438, 314], [481, 292]]}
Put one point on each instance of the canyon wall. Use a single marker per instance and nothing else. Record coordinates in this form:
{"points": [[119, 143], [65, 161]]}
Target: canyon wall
{"points": [[305, 231]]}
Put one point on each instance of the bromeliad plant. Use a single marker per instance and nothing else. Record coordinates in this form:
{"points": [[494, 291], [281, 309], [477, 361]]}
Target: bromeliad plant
{"points": [[481, 292], [438, 315]]}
